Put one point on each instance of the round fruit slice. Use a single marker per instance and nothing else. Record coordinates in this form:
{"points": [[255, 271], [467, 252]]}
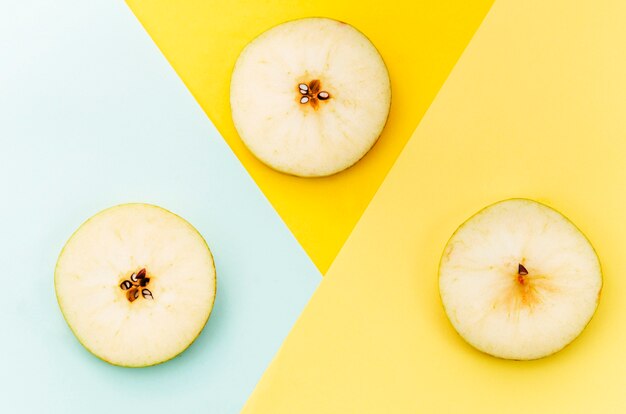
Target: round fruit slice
{"points": [[519, 281], [136, 284], [310, 97]]}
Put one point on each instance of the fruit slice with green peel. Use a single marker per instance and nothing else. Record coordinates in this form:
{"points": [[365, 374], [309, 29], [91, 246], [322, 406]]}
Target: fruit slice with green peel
{"points": [[136, 284], [519, 281], [310, 97]]}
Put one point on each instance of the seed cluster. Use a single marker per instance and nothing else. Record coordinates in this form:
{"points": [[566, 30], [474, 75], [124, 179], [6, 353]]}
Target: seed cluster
{"points": [[312, 93], [136, 284]]}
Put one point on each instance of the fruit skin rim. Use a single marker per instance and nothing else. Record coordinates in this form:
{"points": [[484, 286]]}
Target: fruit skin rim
{"points": [[214, 281], [382, 129], [568, 220]]}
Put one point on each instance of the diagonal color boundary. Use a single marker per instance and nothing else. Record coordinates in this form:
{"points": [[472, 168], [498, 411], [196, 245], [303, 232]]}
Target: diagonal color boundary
{"points": [[420, 42]]}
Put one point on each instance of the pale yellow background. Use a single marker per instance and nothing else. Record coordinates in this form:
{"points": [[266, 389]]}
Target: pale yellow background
{"points": [[419, 40], [536, 107]]}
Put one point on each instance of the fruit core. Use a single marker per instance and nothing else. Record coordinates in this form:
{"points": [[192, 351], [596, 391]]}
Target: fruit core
{"points": [[312, 93], [521, 273], [137, 284], [528, 288]]}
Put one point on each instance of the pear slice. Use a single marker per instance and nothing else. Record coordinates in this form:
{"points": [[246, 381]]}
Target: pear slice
{"points": [[519, 281], [136, 284], [310, 97]]}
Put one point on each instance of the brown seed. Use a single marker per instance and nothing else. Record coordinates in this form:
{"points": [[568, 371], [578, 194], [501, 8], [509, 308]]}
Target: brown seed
{"points": [[521, 270], [322, 96], [132, 294], [304, 99], [146, 294], [125, 285], [141, 274], [133, 277], [144, 281]]}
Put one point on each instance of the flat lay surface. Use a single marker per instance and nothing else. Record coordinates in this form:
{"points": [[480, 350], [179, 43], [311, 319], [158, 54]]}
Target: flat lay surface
{"points": [[534, 108], [111, 102], [419, 41], [91, 116]]}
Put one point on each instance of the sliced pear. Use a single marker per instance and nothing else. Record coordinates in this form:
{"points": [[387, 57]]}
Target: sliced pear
{"points": [[136, 284], [519, 281], [310, 97]]}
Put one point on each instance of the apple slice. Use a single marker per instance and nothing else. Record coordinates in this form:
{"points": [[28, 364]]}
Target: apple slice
{"points": [[310, 97], [519, 281], [136, 284]]}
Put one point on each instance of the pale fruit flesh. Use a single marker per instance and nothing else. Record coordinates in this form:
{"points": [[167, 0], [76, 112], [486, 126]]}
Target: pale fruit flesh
{"points": [[105, 256], [519, 281], [310, 134]]}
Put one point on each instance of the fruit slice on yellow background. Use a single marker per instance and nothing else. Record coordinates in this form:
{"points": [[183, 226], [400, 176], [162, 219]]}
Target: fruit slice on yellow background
{"points": [[534, 108], [419, 42], [519, 281], [136, 284], [310, 97]]}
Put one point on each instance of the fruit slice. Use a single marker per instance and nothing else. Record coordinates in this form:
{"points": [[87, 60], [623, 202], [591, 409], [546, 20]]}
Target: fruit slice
{"points": [[310, 97], [136, 284], [519, 281]]}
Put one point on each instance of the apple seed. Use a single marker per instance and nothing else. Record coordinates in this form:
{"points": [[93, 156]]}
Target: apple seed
{"points": [[132, 294], [141, 274], [125, 285]]}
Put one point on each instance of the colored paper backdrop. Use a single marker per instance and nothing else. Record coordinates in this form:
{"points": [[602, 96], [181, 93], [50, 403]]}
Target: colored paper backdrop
{"points": [[92, 115], [534, 108], [420, 41]]}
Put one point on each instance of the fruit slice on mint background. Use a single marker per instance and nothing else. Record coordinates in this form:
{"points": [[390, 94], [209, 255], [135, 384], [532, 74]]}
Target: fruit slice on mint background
{"points": [[534, 108], [310, 97], [419, 41], [519, 281], [92, 115], [136, 284]]}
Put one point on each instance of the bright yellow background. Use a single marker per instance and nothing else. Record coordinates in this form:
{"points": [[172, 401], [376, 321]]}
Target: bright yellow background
{"points": [[420, 42], [536, 107]]}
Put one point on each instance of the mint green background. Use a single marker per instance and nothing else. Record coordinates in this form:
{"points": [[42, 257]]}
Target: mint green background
{"points": [[91, 115]]}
